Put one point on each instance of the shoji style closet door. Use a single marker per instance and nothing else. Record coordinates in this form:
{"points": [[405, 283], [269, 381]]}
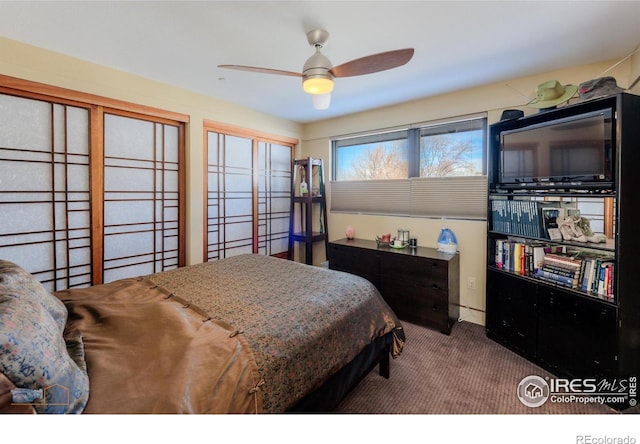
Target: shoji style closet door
{"points": [[229, 196], [274, 198], [248, 193], [141, 197], [44, 190], [91, 189]]}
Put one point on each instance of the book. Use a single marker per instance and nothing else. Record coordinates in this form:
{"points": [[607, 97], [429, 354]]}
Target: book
{"points": [[549, 220], [538, 257], [520, 217], [609, 291], [604, 285], [562, 261], [499, 254], [554, 277], [561, 271], [588, 269], [517, 257], [592, 280]]}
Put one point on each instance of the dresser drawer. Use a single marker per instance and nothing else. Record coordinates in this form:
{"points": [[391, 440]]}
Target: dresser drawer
{"points": [[426, 272], [414, 293], [356, 261], [413, 304]]}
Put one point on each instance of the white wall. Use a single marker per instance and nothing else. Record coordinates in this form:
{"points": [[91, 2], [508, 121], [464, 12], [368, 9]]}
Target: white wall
{"points": [[491, 99]]}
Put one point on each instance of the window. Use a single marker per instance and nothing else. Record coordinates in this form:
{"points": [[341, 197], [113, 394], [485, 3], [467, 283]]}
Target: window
{"points": [[378, 156], [439, 150], [436, 170], [453, 149]]}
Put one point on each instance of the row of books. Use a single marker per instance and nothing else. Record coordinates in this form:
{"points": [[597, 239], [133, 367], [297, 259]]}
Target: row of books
{"points": [[551, 263], [524, 217]]}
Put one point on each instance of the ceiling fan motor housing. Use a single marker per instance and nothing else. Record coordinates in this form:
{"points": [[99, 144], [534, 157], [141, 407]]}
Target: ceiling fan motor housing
{"points": [[316, 78]]}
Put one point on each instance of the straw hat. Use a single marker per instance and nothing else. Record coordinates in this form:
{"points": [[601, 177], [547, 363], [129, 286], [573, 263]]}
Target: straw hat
{"points": [[552, 93]]}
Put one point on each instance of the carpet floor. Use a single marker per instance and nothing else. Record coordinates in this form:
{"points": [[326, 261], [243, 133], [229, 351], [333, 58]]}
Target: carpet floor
{"points": [[464, 373]]}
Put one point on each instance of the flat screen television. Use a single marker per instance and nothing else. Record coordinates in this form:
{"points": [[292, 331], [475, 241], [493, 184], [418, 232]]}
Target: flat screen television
{"points": [[575, 151]]}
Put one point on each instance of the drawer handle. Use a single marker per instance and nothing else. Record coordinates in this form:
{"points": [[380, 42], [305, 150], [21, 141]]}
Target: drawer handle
{"points": [[435, 286]]}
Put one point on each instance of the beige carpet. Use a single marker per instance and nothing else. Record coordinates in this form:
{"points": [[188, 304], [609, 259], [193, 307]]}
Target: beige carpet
{"points": [[465, 373]]}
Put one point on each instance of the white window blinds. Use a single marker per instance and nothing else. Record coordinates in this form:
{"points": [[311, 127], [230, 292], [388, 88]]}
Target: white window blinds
{"points": [[455, 197]]}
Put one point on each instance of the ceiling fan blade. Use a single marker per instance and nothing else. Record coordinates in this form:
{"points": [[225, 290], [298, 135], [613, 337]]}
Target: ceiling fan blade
{"points": [[261, 70], [373, 63]]}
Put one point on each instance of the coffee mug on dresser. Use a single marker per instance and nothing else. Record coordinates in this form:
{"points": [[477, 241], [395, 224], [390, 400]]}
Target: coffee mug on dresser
{"points": [[413, 242], [397, 243]]}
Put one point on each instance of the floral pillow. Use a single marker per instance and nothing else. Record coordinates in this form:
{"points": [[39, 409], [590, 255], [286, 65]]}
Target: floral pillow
{"points": [[33, 352], [13, 277]]}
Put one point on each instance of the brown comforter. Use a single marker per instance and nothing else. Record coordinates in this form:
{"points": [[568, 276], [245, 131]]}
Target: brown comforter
{"points": [[273, 331], [147, 353]]}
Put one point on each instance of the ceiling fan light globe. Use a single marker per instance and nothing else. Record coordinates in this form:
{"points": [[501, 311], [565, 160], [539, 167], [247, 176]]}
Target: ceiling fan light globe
{"points": [[321, 101], [318, 85]]}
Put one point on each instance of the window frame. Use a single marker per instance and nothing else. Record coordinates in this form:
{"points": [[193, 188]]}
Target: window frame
{"points": [[451, 196], [413, 136]]}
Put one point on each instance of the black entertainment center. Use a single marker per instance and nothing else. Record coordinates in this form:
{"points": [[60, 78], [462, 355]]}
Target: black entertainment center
{"points": [[569, 304]]}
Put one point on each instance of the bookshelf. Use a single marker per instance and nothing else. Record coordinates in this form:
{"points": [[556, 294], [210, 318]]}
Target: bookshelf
{"points": [[529, 247], [562, 258]]}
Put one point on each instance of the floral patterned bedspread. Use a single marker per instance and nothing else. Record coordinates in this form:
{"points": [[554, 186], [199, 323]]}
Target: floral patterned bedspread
{"points": [[303, 323]]}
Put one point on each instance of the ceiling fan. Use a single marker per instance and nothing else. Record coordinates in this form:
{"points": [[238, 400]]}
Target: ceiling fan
{"points": [[318, 72]]}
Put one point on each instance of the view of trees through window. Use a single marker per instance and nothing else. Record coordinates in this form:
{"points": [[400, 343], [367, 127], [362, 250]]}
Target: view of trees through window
{"points": [[380, 160], [452, 149], [444, 155]]}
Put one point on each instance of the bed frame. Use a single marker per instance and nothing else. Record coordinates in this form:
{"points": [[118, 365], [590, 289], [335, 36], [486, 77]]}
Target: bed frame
{"points": [[326, 398]]}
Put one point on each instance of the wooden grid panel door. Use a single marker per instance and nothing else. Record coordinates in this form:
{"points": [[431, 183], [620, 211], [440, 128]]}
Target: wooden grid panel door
{"points": [[248, 186], [45, 214], [229, 196], [274, 198], [88, 193], [141, 197]]}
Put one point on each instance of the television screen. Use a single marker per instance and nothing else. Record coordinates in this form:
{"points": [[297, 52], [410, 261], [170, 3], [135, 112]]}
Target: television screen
{"points": [[571, 150]]}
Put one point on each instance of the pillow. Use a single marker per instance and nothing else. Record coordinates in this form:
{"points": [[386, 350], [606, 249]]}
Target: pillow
{"points": [[33, 352], [13, 277]]}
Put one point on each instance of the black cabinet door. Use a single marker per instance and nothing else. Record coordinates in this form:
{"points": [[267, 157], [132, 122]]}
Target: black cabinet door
{"points": [[577, 336], [511, 312]]}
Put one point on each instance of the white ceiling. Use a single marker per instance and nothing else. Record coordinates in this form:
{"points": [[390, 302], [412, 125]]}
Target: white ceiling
{"points": [[457, 44]]}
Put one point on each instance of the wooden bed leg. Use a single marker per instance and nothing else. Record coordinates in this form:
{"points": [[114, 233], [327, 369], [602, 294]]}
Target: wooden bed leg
{"points": [[384, 366]]}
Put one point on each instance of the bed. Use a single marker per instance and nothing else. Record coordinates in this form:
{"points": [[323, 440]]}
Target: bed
{"points": [[246, 334]]}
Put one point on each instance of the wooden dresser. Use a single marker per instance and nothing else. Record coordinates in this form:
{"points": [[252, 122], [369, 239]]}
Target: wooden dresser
{"points": [[421, 285]]}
